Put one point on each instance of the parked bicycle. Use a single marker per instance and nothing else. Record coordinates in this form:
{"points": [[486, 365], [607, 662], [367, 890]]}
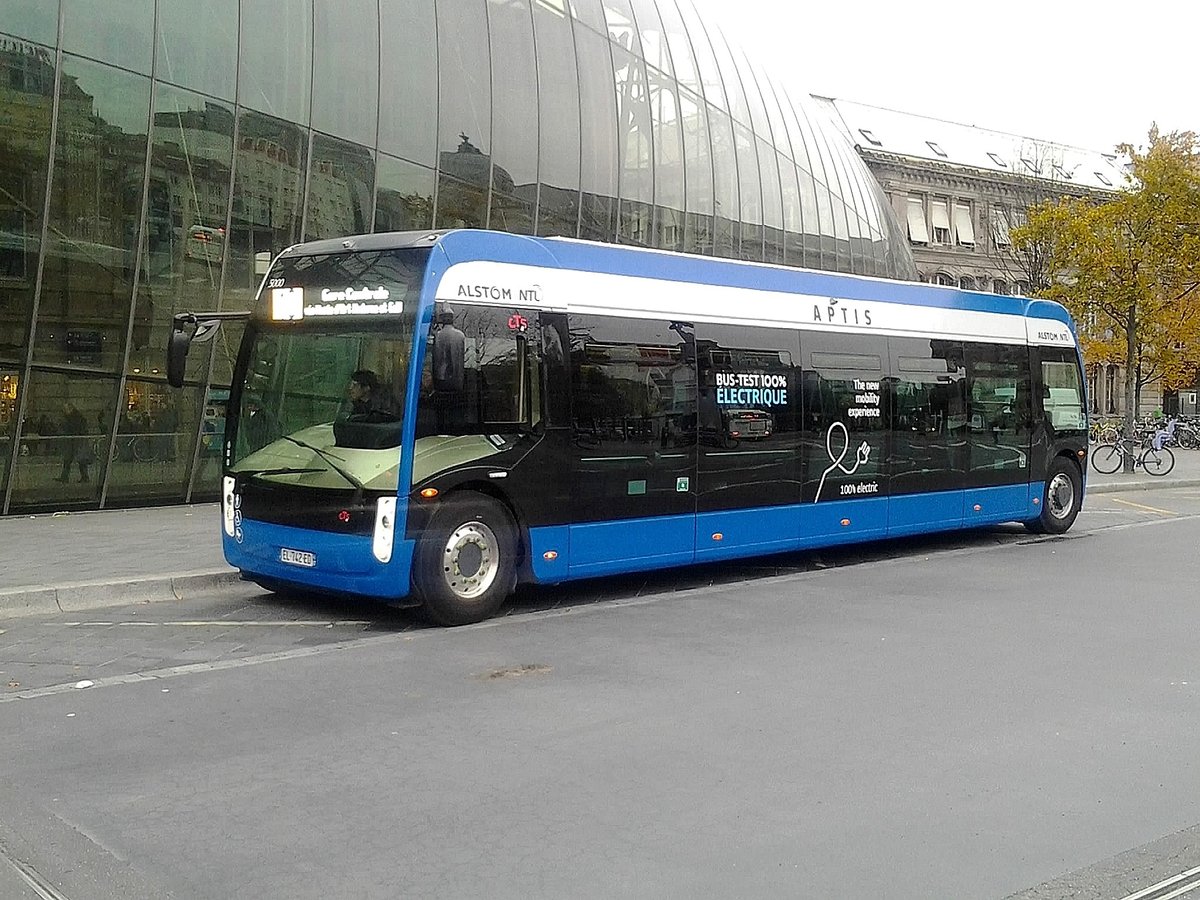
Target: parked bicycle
{"points": [[1155, 457]]}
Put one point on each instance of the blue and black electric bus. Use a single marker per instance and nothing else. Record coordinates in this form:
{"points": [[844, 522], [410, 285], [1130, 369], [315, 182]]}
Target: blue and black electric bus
{"points": [[429, 418]]}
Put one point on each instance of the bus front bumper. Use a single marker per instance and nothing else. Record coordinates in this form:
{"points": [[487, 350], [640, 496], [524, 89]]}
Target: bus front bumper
{"points": [[321, 561]]}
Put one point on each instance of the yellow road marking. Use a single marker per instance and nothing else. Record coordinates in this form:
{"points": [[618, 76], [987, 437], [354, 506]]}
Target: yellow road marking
{"points": [[1153, 509]]}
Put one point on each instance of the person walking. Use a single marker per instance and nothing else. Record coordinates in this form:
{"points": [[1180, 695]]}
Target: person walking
{"points": [[76, 443]]}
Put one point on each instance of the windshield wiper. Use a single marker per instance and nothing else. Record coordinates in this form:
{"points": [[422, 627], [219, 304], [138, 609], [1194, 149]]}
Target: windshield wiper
{"points": [[286, 470], [329, 458]]}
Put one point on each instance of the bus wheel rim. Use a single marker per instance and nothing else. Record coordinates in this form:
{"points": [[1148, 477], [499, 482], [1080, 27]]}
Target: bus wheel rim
{"points": [[470, 560], [1061, 496]]}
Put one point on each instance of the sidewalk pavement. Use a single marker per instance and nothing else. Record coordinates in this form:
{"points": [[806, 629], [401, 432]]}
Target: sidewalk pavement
{"points": [[69, 562]]}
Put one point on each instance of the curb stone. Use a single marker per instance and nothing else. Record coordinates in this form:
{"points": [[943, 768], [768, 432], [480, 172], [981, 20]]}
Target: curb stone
{"points": [[79, 596], [1158, 484]]}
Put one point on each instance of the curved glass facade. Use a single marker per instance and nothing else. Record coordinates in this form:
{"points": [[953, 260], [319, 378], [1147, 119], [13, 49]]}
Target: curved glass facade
{"points": [[154, 157]]}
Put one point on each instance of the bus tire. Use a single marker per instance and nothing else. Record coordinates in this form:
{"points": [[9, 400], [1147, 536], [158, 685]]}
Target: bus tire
{"points": [[1060, 499], [466, 560]]}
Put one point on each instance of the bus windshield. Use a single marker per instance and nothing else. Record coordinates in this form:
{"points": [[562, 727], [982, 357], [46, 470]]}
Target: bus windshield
{"points": [[323, 376]]}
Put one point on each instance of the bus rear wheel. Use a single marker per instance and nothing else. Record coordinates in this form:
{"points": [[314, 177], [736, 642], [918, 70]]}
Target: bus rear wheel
{"points": [[466, 561], [1060, 500]]}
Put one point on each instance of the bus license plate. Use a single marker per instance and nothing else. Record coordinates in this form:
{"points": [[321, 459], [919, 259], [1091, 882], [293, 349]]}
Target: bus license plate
{"points": [[298, 557]]}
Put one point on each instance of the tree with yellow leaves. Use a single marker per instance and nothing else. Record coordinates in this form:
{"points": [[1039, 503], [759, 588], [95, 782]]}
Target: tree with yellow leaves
{"points": [[1129, 270]]}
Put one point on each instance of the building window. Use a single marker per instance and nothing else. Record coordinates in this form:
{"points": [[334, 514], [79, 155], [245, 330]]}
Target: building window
{"points": [[999, 286], [918, 232], [943, 279], [1061, 172], [939, 220], [871, 139], [967, 283], [997, 160], [937, 149], [1102, 179], [1032, 166], [1000, 227], [1021, 289], [964, 226]]}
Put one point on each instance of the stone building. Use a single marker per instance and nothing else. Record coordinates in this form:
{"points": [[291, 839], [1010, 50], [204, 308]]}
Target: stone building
{"points": [[958, 190]]}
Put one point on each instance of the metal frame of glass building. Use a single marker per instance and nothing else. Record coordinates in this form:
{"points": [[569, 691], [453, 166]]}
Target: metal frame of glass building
{"points": [[154, 154]]}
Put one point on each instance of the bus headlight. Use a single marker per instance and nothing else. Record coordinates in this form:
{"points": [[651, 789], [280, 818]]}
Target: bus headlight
{"points": [[228, 502], [385, 527]]}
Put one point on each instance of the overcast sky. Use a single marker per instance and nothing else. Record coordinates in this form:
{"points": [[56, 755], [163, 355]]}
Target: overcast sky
{"points": [[1088, 74]]}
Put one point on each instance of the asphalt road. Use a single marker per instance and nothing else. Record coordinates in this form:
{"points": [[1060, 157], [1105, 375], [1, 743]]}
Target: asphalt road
{"points": [[986, 715]]}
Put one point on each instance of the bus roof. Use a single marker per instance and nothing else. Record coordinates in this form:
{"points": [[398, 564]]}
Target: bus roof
{"points": [[472, 245]]}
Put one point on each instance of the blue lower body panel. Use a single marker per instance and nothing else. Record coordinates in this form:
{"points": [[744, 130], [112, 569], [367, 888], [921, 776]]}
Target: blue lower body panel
{"points": [[562, 552], [344, 562]]}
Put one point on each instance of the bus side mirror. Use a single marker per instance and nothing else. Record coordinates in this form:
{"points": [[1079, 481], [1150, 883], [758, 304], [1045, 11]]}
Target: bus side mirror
{"points": [[189, 328], [177, 351], [449, 353]]}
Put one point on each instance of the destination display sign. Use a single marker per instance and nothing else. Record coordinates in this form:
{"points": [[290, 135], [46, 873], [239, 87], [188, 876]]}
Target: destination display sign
{"points": [[289, 304]]}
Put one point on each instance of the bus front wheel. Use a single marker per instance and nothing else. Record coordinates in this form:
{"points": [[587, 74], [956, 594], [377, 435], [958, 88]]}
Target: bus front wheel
{"points": [[1061, 498], [466, 561]]}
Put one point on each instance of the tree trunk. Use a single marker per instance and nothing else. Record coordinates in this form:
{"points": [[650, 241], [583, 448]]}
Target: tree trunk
{"points": [[1130, 384]]}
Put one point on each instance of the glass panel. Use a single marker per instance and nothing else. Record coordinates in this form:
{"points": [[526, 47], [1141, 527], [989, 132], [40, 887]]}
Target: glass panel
{"points": [[201, 58], [750, 192], [346, 68], [793, 223], [668, 160], [33, 443], [408, 81], [465, 107], [117, 33], [653, 41], [758, 110], [771, 192], [403, 196], [156, 431], [599, 135], [95, 210], [636, 138], [1063, 399], [621, 27], [267, 197], [34, 20], [515, 138], [340, 183], [64, 466], [183, 242], [706, 62], [682, 58], [726, 233], [844, 434], [276, 58], [698, 169], [734, 91], [749, 415], [999, 414], [586, 11], [558, 211], [928, 415], [28, 71]]}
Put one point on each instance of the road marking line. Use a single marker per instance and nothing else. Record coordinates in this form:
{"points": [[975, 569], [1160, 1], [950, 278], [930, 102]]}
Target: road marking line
{"points": [[224, 623], [1153, 509], [1167, 883]]}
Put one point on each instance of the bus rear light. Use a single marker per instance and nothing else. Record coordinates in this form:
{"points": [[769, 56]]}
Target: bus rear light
{"points": [[229, 503], [385, 528], [429, 493], [845, 522], [344, 516], [550, 555]]}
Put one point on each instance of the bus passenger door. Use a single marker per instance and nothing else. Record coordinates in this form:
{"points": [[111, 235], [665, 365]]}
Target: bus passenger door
{"points": [[928, 419], [999, 397], [748, 467], [633, 385]]}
